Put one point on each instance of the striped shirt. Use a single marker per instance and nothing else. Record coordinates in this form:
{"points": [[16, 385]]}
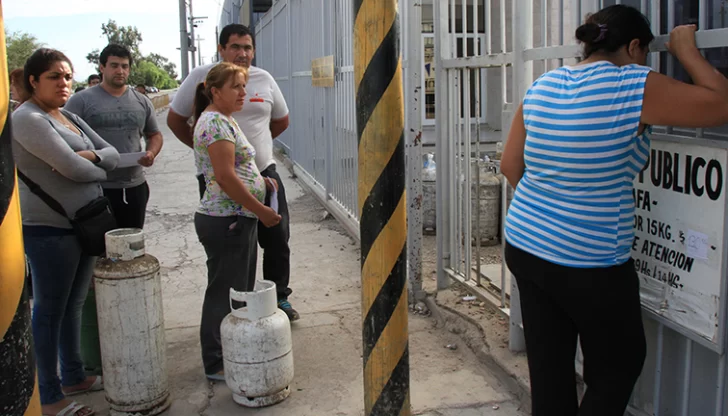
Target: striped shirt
{"points": [[574, 205]]}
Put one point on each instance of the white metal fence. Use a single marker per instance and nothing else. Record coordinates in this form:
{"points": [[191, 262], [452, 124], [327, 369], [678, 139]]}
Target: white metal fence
{"points": [[322, 141]]}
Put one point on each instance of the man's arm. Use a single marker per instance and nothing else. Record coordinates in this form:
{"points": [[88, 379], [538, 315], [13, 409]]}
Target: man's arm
{"points": [[154, 146], [279, 113], [278, 126], [180, 127], [152, 134], [182, 106]]}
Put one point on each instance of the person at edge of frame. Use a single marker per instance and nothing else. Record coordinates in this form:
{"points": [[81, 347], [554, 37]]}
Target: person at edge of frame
{"points": [[58, 152], [569, 232], [263, 118]]}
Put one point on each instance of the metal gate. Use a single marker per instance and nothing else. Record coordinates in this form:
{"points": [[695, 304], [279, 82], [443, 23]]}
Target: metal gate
{"points": [[685, 369]]}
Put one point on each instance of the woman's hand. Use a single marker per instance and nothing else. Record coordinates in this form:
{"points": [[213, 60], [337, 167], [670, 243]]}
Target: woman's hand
{"points": [[268, 217], [88, 155], [271, 184], [682, 41]]}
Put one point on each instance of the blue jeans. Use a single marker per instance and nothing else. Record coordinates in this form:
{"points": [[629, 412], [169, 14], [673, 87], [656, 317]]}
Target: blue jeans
{"points": [[61, 278]]}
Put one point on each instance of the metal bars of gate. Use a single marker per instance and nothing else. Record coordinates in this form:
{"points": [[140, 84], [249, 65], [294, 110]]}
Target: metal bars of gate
{"points": [[344, 140], [322, 141], [465, 53]]}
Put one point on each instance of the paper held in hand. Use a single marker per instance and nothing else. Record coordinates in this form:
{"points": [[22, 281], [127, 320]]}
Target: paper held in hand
{"points": [[274, 201], [127, 160]]}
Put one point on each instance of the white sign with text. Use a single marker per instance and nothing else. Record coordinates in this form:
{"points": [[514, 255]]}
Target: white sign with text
{"points": [[679, 223]]}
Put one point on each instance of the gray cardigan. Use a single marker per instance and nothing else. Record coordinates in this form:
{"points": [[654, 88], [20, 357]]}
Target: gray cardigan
{"points": [[45, 151]]}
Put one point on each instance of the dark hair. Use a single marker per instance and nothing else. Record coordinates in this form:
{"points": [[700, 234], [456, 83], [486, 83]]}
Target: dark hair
{"points": [[79, 89], [16, 79], [613, 27], [92, 77], [217, 77], [114, 49], [16, 76], [141, 85], [235, 29], [39, 62]]}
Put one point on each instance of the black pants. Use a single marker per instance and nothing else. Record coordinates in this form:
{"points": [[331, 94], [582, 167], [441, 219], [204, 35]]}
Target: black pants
{"points": [[273, 240], [129, 205], [231, 261], [602, 307]]}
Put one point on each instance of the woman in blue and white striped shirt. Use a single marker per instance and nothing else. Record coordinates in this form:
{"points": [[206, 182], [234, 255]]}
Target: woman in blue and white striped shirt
{"points": [[574, 148]]}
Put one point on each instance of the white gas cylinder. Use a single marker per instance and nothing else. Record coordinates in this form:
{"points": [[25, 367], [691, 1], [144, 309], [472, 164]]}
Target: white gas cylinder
{"points": [[131, 326], [257, 348]]}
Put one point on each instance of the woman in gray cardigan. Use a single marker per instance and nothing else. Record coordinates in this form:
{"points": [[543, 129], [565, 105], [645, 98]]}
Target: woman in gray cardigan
{"points": [[66, 159]]}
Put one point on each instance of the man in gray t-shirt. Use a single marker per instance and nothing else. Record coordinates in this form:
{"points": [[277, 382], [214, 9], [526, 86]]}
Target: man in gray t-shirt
{"points": [[121, 116]]}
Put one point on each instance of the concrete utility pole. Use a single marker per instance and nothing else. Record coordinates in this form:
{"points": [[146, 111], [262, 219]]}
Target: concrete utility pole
{"points": [[183, 40], [217, 37], [192, 35], [382, 207], [199, 50], [193, 24]]}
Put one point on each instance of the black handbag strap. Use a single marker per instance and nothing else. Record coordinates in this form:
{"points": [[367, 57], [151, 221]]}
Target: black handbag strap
{"points": [[34, 188]]}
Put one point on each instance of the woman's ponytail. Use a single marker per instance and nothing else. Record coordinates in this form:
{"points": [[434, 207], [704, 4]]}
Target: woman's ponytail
{"points": [[202, 100]]}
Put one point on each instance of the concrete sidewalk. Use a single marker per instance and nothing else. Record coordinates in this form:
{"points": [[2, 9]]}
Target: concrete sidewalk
{"points": [[326, 291]]}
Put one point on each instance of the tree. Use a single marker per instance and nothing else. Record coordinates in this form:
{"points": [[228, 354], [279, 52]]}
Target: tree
{"points": [[162, 62], [153, 70], [147, 73], [128, 36], [20, 46]]}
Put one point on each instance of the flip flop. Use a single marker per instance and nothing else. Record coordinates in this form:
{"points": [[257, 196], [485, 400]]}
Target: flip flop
{"points": [[72, 410], [98, 385]]}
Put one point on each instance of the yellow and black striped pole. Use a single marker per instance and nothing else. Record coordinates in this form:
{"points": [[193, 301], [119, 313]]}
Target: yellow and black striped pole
{"points": [[382, 207], [18, 382]]}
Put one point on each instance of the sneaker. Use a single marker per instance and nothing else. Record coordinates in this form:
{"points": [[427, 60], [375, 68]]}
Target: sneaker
{"points": [[219, 376], [286, 307]]}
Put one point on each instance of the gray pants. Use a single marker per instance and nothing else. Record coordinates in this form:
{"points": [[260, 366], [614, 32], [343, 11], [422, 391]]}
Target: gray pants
{"points": [[231, 259]]}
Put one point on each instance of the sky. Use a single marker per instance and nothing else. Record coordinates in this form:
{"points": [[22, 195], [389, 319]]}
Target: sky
{"points": [[74, 26]]}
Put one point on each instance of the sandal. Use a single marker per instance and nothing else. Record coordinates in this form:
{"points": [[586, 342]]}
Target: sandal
{"points": [[98, 385], [72, 410]]}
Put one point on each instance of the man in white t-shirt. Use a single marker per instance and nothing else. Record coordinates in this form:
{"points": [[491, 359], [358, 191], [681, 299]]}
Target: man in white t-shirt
{"points": [[263, 118]]}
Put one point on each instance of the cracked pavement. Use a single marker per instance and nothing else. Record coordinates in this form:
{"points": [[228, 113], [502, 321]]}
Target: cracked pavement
{"points": [[325, 273]]}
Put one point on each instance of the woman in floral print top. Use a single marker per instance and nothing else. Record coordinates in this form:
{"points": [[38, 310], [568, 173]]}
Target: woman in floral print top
{"points": [[226, 221], [211, 127]]}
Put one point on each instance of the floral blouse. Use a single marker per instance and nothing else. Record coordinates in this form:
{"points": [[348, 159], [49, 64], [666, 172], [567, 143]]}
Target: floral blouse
{"points": [[212, 127]]}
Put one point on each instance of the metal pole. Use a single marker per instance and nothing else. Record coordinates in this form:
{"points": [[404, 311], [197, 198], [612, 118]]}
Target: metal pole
{"points": [[522, 29], [184, 52], [199, 51], [251, 26], [443, 225], [217, 39], [414, 148], [192, 35], [382, 207], [18, 380]]}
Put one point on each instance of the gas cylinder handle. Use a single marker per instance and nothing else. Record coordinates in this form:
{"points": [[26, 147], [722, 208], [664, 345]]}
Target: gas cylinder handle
{"points": [[237, 296]]}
